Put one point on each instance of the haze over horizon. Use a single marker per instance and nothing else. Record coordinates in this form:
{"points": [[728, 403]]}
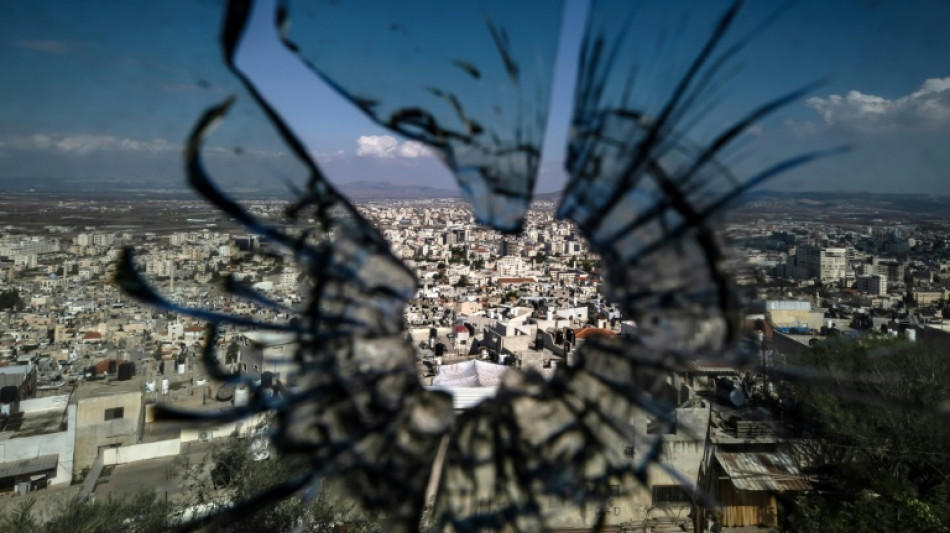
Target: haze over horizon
{"points": [[98, 93]]}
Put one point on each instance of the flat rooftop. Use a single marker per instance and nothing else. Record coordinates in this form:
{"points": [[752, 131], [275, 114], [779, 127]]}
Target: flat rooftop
{"points": [[23, 425], [107, 387]]}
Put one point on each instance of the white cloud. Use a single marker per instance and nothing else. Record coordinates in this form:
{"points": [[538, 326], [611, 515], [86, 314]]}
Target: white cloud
{"points": [[86, 144], [925, 108], [53, 47], [387, 146], [325, 158], [413, 149]]}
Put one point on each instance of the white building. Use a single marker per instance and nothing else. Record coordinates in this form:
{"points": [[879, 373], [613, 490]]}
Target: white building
{"points": [[510, 266], [40, 451], [826, 264]]}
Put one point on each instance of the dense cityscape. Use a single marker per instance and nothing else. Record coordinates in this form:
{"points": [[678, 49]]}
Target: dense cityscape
{"points": [[83, 365], [506, 266]]}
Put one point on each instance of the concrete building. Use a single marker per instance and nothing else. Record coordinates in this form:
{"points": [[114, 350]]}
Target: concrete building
{"points": [[17, 383], [37, 445], [874, 284], [792, 315], [892, 268], [827, 264], [510, 266], [928, 297], [109, 414]]}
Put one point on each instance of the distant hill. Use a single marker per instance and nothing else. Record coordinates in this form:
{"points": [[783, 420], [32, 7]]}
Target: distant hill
{"points": [[549, 196], [384, 190], [844, 201], [764, 201]]}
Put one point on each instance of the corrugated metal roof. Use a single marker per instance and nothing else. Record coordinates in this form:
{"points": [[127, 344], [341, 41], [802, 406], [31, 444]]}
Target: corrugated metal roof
{"points": [[708, 366], [29, 466], [763, 471]]}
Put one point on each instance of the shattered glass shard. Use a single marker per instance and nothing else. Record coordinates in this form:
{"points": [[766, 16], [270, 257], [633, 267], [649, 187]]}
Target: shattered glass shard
{"points": [[469, 80], [645, 177], [472, 82]]}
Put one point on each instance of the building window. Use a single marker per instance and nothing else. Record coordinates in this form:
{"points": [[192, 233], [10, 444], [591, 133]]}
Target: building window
{"points": [[669, 494], [115, 413]]}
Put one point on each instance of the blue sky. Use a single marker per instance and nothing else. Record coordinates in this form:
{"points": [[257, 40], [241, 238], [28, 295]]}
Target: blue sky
{"points": [[109, 90]]}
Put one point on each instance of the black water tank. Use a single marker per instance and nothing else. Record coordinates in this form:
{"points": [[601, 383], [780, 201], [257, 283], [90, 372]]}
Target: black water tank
{"points": [[9, 394], [267, 379], [126, 371]]}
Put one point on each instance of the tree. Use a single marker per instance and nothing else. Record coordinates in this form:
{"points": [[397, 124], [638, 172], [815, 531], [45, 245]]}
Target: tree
{"points": [[238, 472], [141, 512], [462, 282], [232, 354], [880, 442], [10, 299]]}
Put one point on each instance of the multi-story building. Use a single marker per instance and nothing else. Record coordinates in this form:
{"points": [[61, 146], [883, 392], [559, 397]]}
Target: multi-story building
{"points": [[510, 266], [874, 284], [827, 264]]}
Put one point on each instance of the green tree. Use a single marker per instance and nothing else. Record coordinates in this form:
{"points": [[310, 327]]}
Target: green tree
{"points": [[879, 439], [141, 512], [10, 299], [462, 282], [234, 471]]}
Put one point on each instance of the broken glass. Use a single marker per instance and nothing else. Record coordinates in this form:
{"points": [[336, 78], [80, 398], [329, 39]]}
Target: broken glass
{"points": [[471, 82], [645, 166]]}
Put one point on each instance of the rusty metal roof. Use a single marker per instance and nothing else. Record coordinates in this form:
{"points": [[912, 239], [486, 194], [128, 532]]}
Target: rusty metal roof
{"points": [[763, 471]]}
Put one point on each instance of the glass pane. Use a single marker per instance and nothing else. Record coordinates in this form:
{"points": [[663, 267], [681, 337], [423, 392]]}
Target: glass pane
{"points": [[469, 80]]}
